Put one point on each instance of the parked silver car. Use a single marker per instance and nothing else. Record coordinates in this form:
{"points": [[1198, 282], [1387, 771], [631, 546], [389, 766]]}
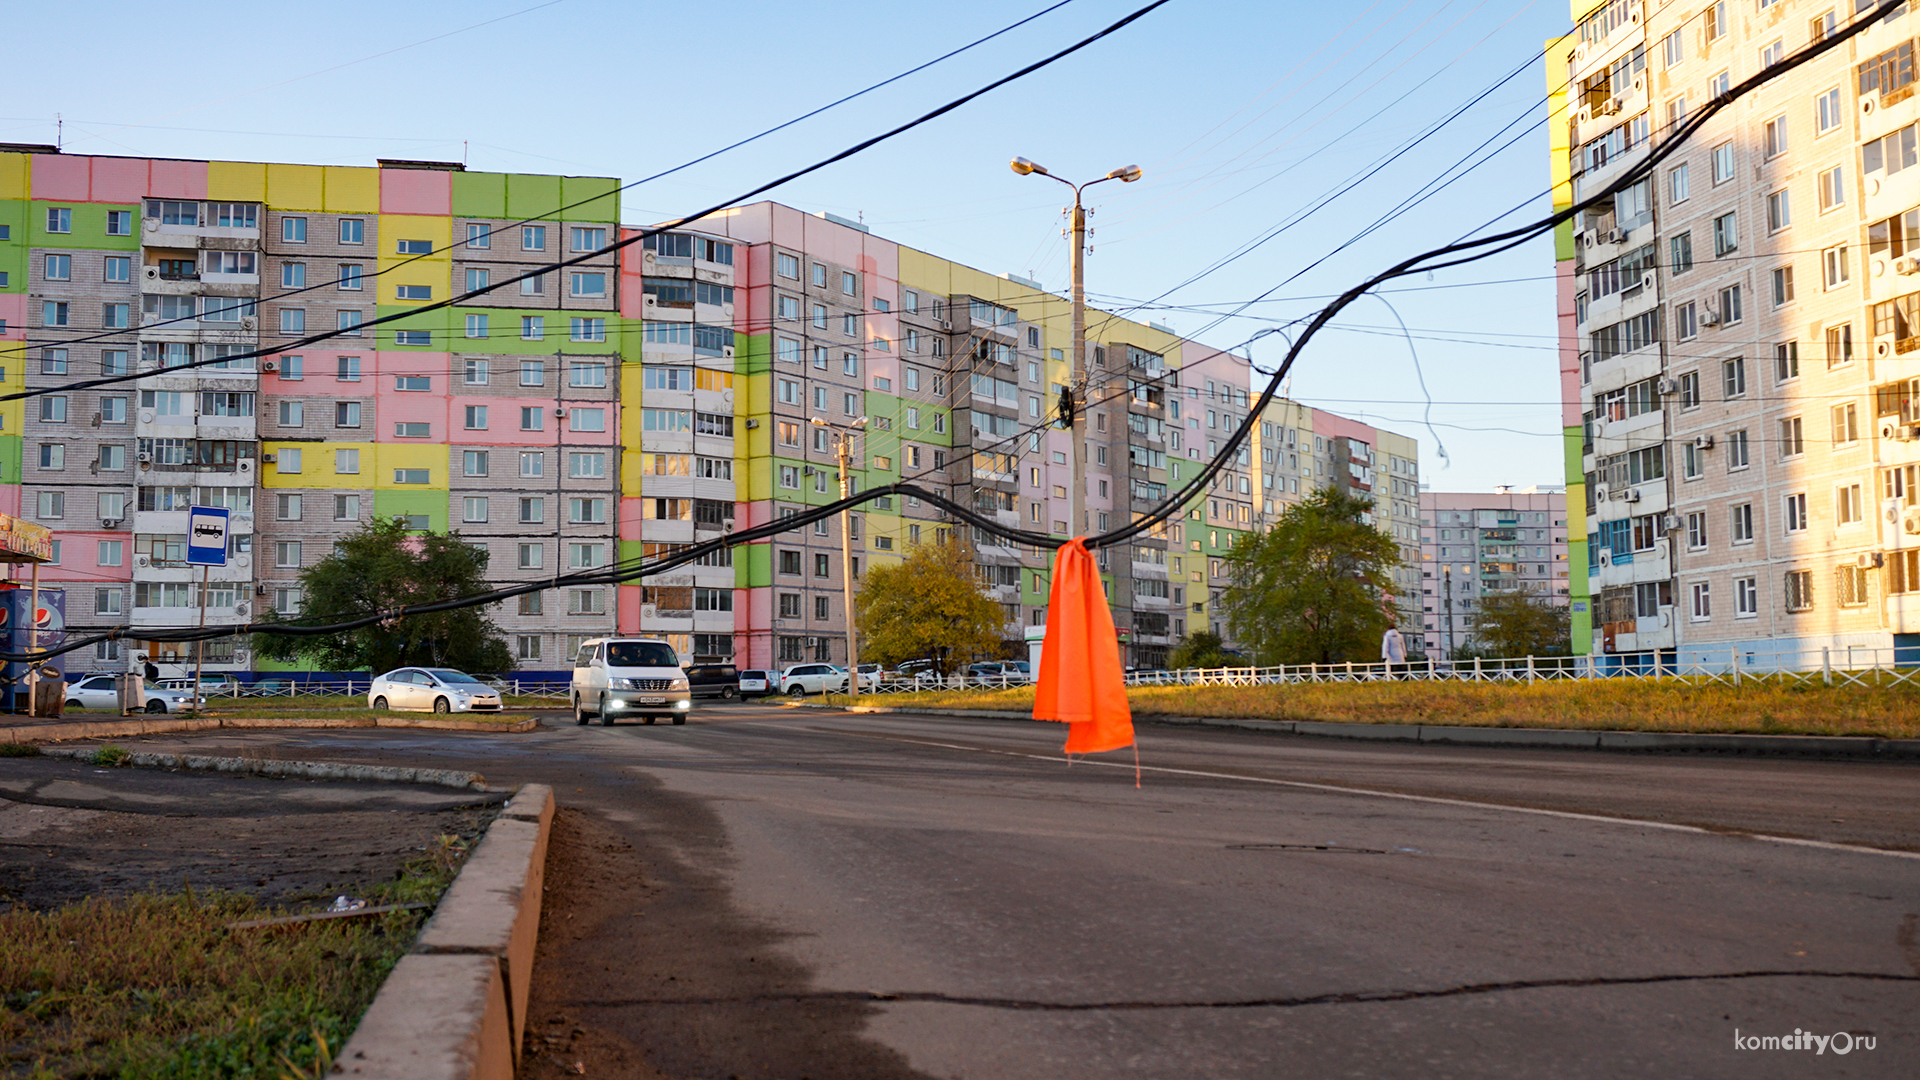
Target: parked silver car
{"points": [[99, 692], [442, 690], [803, 679]]}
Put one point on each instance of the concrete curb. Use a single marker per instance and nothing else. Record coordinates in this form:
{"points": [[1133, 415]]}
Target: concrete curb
{"points": [[1450, 735], [456, 1007], [299, 770], [120, 729]]}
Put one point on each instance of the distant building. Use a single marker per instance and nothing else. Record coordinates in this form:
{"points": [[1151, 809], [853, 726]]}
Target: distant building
{"points": [[1477, 543]]}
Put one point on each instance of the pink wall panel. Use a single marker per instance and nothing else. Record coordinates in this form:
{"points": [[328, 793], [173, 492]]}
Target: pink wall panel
{"points": [[394, 407], [435, 365], [587, 438], [13, 312], [177, 179], [503, 422], [122, 180], [10, 504], [1569, 326], [631, 268], [60, 177], [628, 615], [416, 191], [1328, 425]]}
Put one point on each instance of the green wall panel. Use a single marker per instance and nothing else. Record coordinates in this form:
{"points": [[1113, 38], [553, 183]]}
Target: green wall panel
{"points": [[533, 196], [89, 227], [479, 195], [432, 503], [598, 196], [753, 566], [10, 451]]}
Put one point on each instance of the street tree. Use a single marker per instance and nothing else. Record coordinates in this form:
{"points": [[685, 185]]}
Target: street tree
{"points": [[928, 605], [1521, 623], [1314, 588], [385, 565], [1200, 649]]}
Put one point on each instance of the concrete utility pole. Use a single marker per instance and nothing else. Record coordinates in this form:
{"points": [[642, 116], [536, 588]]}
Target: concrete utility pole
{"points": [[843, 449], [1077, 378], [1446, 574]]}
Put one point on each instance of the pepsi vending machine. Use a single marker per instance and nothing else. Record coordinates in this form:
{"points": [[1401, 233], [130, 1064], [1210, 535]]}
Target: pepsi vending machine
{"points": [[17, 624]]}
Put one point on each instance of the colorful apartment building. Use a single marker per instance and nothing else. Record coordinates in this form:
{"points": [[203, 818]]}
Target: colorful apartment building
{"points": [[1738, 352], [627, 406]]}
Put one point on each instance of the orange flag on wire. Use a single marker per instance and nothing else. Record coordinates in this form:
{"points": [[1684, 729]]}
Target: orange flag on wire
{"points": [[1081, 681]]}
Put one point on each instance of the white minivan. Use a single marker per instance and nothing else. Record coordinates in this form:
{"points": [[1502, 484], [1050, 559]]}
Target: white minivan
{"points": [[639, 677]]}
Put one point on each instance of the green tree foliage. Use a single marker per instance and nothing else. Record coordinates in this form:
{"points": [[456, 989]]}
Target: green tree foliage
{"points": [[1520, 623], [926, 602], [1311, 589], [384, 565], [1201, 649]]}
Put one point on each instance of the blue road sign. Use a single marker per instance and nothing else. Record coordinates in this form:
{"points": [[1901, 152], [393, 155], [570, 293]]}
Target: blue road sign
{"points": [[207, 536]]}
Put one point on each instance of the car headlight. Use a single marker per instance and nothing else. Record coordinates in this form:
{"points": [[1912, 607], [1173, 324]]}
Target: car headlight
{"points": [[678, 684]]}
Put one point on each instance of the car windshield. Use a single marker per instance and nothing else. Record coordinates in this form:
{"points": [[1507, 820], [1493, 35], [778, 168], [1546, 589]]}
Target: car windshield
{"points": [[448, 675], [641, 654]]}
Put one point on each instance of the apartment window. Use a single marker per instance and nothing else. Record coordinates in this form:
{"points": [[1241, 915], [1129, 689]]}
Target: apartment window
{"points": [[1834, 266], [533, 328], [1826, 111], [1681, 253], [1733, 378], [53, 409], [1799, 588], [1746, 598], [1775, 136], [346, 508], [582, 419], [822, 565], [1848, 508], [586, 602], [1839, 345], [1726, 234], [1730, 311], [287, 461], [532, 603], [533, 238], [588, 329], [586, 374], [587, 466], [289, 507], [1850, 586], [58, 267], [293, 321], [1779, 210], [476, 325], [790, 563], [1672, 51], [55, 313], [533, 286], [1792, 443], [533, 463], [585, 240], [1697, 532], [1737, 450], [345, 462], [1782, 286], [59, 219], [346, 369], [533, 511], [348, 323], [1719, 85], [352, 231], [413, 429], [787, 266], [1833, 192], [849, 283], [346, 414], [286, 553], [1786, 361], [479, 235], [1723, 163], [1702, 601], [293, 230], [589, 284], [850, 325], [411, 476], [1774, 52], [1846, 424], [587, 511], [476, 417], [1794, 512], [1690, 390], [473, 509], [1740, 523]]}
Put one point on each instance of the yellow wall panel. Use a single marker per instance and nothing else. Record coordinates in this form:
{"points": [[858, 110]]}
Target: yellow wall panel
{"points": [[435, 269], [16, 173], [352, 190], [237, 181], [294, 187]]}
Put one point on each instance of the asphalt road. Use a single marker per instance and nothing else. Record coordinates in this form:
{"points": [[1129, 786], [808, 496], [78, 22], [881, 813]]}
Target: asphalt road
{"points": [[771, 892]]}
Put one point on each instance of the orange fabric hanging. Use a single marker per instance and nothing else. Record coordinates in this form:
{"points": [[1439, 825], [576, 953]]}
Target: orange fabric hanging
{"points": [[1081, 680]]}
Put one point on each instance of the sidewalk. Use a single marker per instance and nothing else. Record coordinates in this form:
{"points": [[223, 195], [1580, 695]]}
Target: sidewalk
{"points": [[60, 729], [1445, 734]]}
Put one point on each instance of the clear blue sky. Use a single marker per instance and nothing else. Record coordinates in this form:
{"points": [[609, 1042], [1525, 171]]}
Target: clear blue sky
{"points": [[1232, 108]]}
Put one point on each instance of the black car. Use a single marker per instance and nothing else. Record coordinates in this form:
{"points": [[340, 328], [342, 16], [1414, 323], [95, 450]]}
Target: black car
{"points": [[714, 680]]}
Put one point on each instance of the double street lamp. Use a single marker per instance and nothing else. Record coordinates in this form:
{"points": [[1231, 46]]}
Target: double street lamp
{"points": [[843, 436], [1076, 358]]}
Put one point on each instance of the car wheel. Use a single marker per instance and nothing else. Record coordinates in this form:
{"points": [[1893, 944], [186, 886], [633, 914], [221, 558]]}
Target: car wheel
{"points": [[441, 705], [797, 690], [579, 712], [728, 693], [156, 706], [606, 717], [679, 718], [380, 703]]}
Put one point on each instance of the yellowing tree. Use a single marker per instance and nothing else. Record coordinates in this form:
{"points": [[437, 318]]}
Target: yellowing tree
{"points": [[928, 602]]}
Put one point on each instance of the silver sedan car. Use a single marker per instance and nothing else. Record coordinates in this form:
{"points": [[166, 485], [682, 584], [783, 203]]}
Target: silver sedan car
{"points": [[441, 690]]}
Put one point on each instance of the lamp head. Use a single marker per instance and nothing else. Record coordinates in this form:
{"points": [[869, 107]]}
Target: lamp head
{"points": [[860, 423], [1127, 174], [1023, 167], [817, 422]]}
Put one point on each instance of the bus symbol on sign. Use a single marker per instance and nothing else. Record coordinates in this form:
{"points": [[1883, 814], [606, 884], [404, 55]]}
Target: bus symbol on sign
{"points": [[207, 536]]}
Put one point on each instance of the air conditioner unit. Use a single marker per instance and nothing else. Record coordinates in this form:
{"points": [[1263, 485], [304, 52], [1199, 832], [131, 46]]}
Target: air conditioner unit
{"points": [[269, 366], [1667, 386], [1906, 264], [806, 470], [649, 611], [145, 457], [1601, 494], [248, 322], [110, 523], [141, 562], [259, 590], [151, 224], [1869, 560], [152, 273], [1670, 522], [560, 411], [1591, 236], [1703, 442], [1607, 107], [1632, 495], [1647, 280], [1910, 521], [1709, 317], [752, 423], [269, 458], [1896, 431], [726, 350], [945, 324], [1617, 236], [1606, 556], [1883, 347]]}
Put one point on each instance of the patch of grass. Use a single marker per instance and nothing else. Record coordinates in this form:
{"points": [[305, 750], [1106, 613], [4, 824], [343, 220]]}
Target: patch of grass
{"points": [[19, 749], [154, 987], [110, 755], [1773, 706]]}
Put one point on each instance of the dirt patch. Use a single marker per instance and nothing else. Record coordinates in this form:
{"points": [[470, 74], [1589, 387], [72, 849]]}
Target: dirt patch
{"points": [[71, 831], [647, 970]]}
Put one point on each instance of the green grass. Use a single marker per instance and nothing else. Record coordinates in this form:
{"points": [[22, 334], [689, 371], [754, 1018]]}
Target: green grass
{"points": [[110, 755], [317, 707], [1758, 707], [19, 749], [154, 987]]}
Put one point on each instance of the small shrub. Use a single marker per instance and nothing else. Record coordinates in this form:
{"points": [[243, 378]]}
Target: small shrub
{"points": [[19, 749], [111, 755]]}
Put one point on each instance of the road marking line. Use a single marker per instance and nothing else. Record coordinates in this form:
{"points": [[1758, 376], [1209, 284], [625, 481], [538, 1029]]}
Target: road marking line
{"points": [[1439, 800]]}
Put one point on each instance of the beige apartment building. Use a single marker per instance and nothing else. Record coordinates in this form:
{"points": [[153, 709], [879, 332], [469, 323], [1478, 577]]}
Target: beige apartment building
{"points": [[1478, 543], [1747, 361]]}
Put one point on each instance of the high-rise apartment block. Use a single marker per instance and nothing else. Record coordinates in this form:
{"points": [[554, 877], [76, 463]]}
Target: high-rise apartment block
{"points": [[1475, 544], [627, 406], [1739, 359]]}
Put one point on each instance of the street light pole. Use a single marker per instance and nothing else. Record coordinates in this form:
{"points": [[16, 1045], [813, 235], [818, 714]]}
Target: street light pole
{"points": [[1077, 376], [842, 447], [1446, 573]]}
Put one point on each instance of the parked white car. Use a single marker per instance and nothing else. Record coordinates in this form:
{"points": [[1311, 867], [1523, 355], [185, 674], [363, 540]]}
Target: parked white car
{"points": [[637, 677], [755, 682], [99, 692], [802, 679], [441, 690]]}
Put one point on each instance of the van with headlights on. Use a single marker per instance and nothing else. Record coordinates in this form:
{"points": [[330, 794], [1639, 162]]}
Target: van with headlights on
{"points": [[637, 677]]}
